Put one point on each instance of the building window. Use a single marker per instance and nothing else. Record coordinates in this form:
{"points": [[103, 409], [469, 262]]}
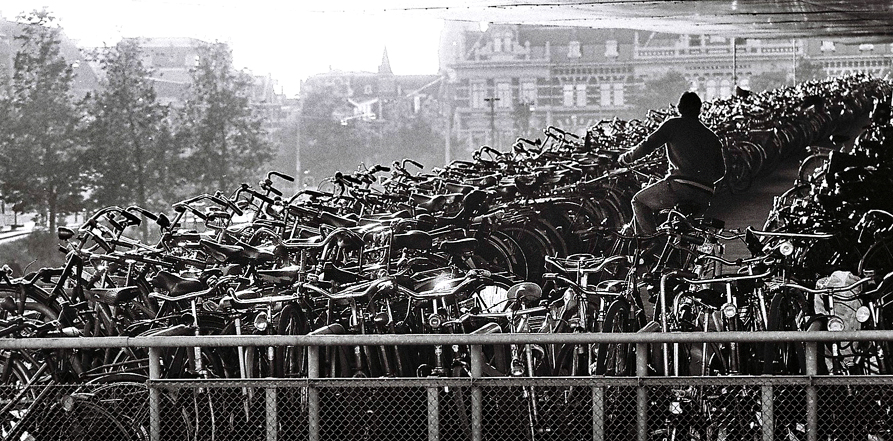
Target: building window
{"points": [[497, 44], [581, 95], [611, 48], [573, 50], [507, 42], [504, 94], [866, 47], [827, 46], [568, 95], [725, 88], [710, 90], [417, 103], [528, 92], [368, 89], [605, 94], [478, 93], [619, 99]]}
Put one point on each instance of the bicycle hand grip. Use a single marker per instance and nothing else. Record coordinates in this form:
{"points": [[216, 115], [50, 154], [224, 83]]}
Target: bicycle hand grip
{"points": [[283, 176]]}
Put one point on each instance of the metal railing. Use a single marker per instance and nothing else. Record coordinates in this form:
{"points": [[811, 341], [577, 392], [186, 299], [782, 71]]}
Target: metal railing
{"points": [[641, 407]]}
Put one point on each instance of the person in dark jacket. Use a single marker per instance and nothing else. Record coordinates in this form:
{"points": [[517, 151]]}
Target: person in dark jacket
{"points": [[696, 164]]}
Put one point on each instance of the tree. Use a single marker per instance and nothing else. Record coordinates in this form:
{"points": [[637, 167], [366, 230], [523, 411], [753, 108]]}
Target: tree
{"points": [[39, 144], [128, 134], [326, 144], [769, 80], [658, 93], [225, 142], [782, 76]]}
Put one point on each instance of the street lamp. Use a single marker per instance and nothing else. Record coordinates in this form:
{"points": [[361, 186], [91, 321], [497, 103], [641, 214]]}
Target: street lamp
{"points": [[492, 100]]}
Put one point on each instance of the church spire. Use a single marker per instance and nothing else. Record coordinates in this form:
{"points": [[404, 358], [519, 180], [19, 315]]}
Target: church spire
{"points": [[385, 67]]}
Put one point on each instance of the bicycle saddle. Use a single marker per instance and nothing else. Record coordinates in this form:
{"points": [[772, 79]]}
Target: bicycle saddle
{"points": [[175, 284], [506, 190], [335, 274], [460, 246], [414, 240], [113, 296], [336, 220], [455, 187], [527, 292], [279, 276]]}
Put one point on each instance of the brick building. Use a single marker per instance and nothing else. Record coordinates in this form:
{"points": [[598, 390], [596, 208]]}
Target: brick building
{"points": [[574, 77]]}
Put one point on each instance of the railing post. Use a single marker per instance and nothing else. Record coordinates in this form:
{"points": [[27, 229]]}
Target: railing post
{"points": [[641, 392], [433, 413], [312, 394], [154, 395], [477, 396], [812, 419], [272, 406], [598, 413], [767, 412]]}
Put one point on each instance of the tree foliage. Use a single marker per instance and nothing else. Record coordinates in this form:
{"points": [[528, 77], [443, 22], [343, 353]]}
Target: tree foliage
{"points": [[39, 144], [327, 145], [222, 133], [659, 93], [330, 143], [131, 157]]}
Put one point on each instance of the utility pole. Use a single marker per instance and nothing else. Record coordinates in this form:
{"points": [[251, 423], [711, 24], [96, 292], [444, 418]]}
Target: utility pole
{"points": [[734, 63], [492, 100]]}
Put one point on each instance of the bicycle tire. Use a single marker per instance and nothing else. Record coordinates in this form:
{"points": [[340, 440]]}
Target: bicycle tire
{"points": [[291, 361], [878, 257], [616, 359], [786, 313]]}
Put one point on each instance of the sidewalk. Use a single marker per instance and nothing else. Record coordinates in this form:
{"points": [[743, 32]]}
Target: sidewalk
{"points": [[751, 208], [7, 233]]}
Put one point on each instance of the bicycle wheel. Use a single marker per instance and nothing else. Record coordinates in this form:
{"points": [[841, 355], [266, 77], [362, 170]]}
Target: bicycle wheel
{"points": [[787, 312], [570, 361], [616, 359], [78, 418], [878, 257], [291, 361]]}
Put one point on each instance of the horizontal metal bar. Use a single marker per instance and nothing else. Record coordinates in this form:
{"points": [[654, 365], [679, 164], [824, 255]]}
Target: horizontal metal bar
{"points": [[501, 382], [439, 339]]}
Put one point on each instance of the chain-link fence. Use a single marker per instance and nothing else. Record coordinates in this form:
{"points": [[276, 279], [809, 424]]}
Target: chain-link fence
{"points": [[559, 409], [473, 408]]}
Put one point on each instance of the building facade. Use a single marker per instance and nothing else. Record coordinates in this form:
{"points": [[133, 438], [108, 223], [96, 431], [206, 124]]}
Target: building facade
{"points": [[514, 80]]}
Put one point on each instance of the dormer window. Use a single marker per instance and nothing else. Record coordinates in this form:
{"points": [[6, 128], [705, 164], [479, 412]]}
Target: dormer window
{"points": [[827, 46], [573, 50], [367, 90], [502, 42], [611, 48]]}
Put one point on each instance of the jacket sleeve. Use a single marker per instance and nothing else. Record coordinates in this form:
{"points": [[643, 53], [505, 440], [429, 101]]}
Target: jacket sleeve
{"points": [[655, 140]]}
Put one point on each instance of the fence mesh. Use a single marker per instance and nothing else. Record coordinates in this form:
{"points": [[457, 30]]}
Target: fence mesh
{"points": [[523, 409]]}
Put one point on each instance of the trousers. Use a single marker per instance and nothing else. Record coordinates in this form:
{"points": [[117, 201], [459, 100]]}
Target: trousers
{"points": [[662, 195]]}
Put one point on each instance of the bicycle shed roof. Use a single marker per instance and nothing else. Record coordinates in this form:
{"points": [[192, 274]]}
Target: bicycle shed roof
{"points": [[860, 21]]}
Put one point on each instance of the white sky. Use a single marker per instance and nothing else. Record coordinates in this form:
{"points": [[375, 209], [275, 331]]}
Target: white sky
{"points": [[290, 40]]}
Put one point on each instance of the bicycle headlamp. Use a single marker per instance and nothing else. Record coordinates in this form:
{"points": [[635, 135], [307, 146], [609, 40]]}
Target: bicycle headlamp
{"points": [[786, 248], [435, 321], [863, 314], [261, 321], [835, 324], [67, 403], [729, 310]]}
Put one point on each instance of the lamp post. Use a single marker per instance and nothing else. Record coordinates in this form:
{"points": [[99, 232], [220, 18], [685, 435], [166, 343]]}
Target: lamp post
{"points": [[492, 101]]}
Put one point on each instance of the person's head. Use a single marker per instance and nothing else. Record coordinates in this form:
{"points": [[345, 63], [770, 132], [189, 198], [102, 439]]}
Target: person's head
{"points": [[689, 104]]}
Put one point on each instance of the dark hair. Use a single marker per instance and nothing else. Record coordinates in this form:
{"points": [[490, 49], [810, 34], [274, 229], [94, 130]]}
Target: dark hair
{"points": [[689, 104]]}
